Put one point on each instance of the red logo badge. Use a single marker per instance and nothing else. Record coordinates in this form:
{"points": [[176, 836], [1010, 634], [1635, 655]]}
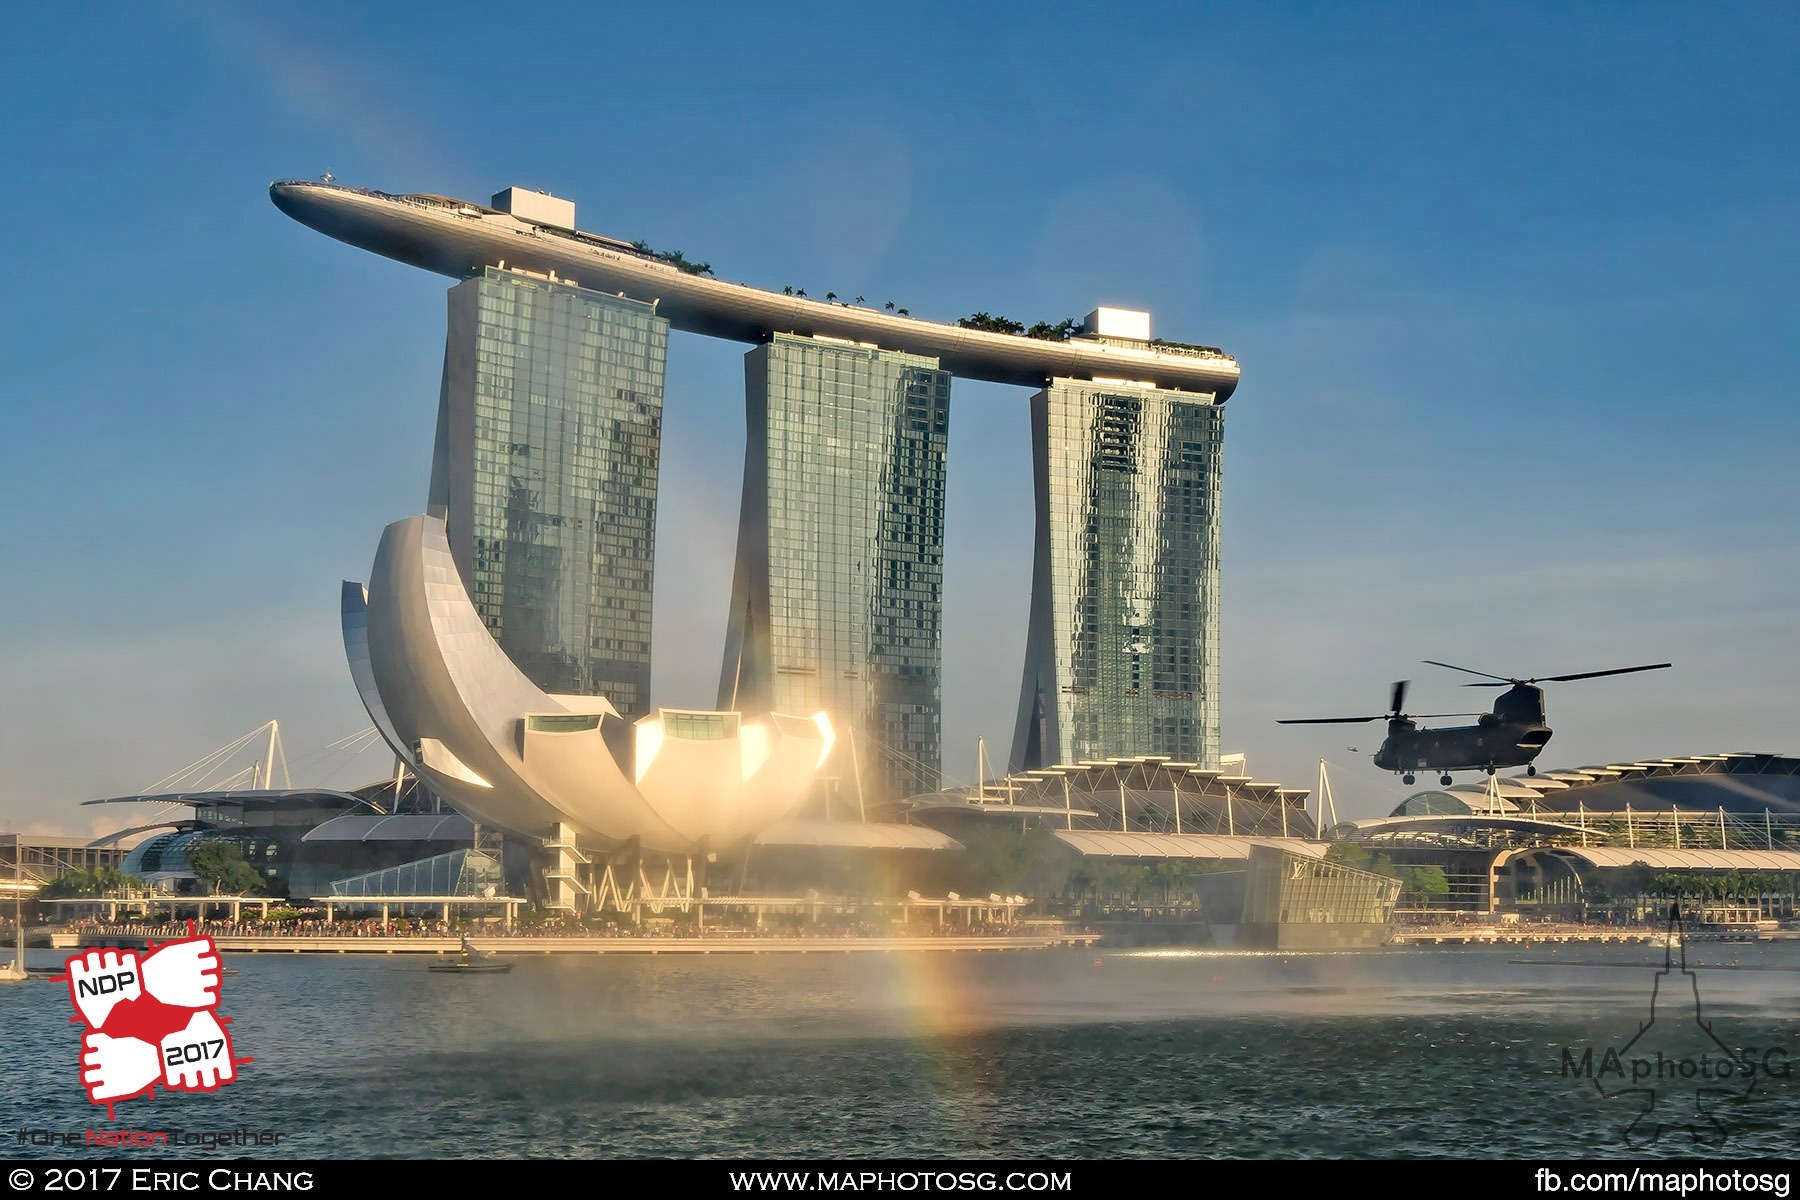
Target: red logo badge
{"points": [[151, 1017]]}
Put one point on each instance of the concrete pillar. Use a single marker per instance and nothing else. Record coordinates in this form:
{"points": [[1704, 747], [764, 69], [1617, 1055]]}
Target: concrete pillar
{"points": [[564, 870]]}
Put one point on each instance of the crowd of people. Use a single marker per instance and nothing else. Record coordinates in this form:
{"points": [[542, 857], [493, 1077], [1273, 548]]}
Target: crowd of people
{"points": [[651, 925]]}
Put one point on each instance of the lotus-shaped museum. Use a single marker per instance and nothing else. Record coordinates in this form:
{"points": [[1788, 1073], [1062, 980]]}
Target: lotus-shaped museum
{"points": [[554, 768]]}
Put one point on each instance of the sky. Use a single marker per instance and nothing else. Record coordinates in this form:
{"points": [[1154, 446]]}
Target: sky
{"points": [[1511, 287]]}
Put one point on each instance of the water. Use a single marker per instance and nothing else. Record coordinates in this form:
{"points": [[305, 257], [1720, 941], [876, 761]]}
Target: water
{"points": [[1050, 1055]]}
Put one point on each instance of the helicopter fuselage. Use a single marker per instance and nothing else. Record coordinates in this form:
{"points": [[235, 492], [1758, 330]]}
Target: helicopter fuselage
{"points": [[1510, 736]]}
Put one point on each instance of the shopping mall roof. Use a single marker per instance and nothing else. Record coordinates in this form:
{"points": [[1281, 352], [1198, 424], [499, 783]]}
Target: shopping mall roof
{"points": [[1445, 821], [240, 797], [1682, 860], [1740, 781], [1096, 843], [864, 835]]}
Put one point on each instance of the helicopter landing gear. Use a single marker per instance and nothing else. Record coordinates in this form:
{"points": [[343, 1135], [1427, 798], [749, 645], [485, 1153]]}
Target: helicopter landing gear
{"points": [[1408, 780], [1445, 780], [1531, 770]]}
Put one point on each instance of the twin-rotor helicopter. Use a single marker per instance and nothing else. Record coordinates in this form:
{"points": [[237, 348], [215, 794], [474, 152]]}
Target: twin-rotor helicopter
{"points": [[1512, 735]]}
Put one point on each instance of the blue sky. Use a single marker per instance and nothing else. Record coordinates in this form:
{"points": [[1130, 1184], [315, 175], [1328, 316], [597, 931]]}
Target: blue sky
{"points": [[1512, 287]]}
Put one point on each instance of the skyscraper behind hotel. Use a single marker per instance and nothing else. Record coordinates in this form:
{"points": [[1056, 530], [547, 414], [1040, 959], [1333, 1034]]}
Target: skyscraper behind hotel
{"points": [[1122, 647], [548, 447], [836, 600]]}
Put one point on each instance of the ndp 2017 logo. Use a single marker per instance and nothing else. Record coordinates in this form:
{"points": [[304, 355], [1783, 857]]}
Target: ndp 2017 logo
{"points": [[151, 1018]]}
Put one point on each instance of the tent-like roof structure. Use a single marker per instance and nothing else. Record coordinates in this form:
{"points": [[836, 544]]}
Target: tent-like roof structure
{"points": [[865, 835], [1096, 843], [1683, 860]]}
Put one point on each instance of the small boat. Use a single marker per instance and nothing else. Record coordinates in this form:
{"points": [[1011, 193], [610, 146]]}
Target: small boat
{"points": [[463, 966], [471, 962]]}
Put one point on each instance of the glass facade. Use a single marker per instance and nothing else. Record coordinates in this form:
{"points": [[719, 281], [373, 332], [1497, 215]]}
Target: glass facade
{"points": [[837, 597], [549, 440], [458, 873], [1283, 888], [1122, 648]]}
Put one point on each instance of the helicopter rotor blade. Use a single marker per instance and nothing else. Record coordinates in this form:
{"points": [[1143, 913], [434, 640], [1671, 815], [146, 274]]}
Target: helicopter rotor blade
{"points": [[1434, 716], [1399, 695], [1330, 720], [1468, 670], [1597, 674]]}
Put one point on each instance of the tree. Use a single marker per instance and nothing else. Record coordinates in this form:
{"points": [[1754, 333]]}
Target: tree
{"points": [[674, 258], [859, 300], [680, 262], [904, 313], [81, 882], [1059, 332], [1428, 883], [77, 882], [889, 306], [1173, 875], [830, 296], [991, 323], [221, 865], [799, 291], [787, 289]]}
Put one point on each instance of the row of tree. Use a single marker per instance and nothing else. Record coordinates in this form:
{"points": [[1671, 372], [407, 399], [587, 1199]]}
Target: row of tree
{"points": [[1417, 884], [217, 863], [1044, 331], [84, 882], [832, 298], [1639, 880], [674, 258]]}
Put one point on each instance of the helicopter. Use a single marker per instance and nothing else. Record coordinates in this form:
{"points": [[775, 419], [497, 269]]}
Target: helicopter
{"points": [[1512, 735]]}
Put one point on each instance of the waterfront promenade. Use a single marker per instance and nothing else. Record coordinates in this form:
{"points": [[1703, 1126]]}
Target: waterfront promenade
{"points": [[314, 941], [1537, 935]]}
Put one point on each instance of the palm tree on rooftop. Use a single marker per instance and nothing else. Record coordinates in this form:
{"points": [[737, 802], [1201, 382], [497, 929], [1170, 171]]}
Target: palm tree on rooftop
{"points": [[829, 296], [890, 306]]}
